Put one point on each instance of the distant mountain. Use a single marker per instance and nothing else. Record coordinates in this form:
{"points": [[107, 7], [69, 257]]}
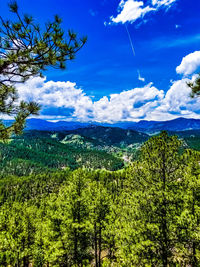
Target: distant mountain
{"points": [[111, 135], [186, 134], [180, 124], [42, 125]]}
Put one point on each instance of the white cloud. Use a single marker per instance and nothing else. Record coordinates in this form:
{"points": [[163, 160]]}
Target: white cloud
{"points": [[177, 103], [131, 10], [146, 102], [54, 94], [159, 3], [189, 64], [128, 105]]}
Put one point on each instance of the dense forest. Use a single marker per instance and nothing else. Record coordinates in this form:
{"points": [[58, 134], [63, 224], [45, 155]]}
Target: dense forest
{"points": [[94, 147], [36, 152], [146, 214]]}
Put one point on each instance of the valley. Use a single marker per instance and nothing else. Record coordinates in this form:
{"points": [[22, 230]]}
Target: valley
{"points": [[93, 147]]}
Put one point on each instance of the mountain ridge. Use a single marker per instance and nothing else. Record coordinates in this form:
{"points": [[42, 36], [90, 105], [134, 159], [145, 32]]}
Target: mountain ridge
{"points": [[179, 124]]}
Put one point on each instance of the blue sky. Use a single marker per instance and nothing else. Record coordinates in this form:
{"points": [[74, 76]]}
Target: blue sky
{"points": [[102, 82]]}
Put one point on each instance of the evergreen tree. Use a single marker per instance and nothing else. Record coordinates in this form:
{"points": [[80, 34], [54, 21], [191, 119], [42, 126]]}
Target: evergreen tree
{"points": [[189, 221], [16, 234], [114, 183], [25, 51], [150, 205], [195, 87], [66, 240], [99, 211]]}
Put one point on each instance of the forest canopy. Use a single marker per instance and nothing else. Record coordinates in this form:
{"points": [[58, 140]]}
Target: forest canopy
{"points": [[146, 214]]}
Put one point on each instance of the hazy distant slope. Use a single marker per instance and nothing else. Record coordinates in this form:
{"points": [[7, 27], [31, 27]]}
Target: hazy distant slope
{"points": [[180, 124], [42, 125]]}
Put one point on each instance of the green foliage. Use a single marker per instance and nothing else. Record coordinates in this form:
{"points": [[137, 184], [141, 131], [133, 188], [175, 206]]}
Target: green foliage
{"points": [[112, 136], [195, 87], [149, 203], [144, 215], [38, 152], [26, 50], [189, 228]]}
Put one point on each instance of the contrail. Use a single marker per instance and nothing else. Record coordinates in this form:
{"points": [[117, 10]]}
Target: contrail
{"points": [[134, 54], [131, 42]]}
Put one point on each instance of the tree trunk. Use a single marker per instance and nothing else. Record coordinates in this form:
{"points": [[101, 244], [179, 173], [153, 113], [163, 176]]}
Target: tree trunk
{"points": [[164, 218], [95, 244], [26, 262], [75, 247], [194, 258], [100, 245]]}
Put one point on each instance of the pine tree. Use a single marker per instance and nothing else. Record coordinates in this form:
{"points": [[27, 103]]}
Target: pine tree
{"points": [[26, 51], [17, 234], [150, 205], [195, 87], [114, 182], [99, 211], [189, 221], [63, 237]]}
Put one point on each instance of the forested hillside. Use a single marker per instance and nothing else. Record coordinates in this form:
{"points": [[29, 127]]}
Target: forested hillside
{"points": [[100, 196], [94, 147], [191, 138], [37, 152], [144, 215]]}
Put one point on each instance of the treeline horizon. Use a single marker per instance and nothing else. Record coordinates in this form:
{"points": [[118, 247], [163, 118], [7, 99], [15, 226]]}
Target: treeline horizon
{"points": [[147, 214]]}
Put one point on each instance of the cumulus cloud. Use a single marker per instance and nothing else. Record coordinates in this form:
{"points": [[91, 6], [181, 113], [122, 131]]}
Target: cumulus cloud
{"points": [[189, 64], [177, 103], [65, 101], [131, 10], [128, 105], [54, 94], [56, 98]]}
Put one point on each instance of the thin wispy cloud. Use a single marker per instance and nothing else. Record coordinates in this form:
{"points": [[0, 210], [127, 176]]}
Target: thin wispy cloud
{"points": [[92, 12], [161, 3], [166, 42]]}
